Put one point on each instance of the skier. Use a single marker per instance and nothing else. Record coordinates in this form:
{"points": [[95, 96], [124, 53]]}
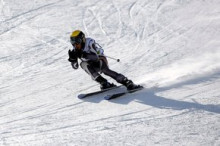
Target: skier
{"points": [[94, 62]]}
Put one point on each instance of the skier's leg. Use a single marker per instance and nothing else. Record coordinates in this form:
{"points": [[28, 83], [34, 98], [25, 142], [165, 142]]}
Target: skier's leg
{"points": [[92, 70], [118, 77], [89, 69]]}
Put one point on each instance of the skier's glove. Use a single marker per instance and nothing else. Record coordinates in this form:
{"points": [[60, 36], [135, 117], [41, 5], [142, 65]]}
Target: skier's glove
{"points": [[75, 65], [72, 60]]}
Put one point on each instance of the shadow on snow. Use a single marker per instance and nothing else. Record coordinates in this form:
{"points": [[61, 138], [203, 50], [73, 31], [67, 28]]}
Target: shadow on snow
{"points": [[150, 97]]}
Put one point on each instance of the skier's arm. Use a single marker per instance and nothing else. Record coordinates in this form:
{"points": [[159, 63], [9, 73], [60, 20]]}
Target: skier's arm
{"points": [[100, 52], [90, 57], [73, 59], [93, 53], [98, 49]]}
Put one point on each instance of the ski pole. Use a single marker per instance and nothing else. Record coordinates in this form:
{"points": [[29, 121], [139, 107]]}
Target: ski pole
{"points": [[118, 60]]}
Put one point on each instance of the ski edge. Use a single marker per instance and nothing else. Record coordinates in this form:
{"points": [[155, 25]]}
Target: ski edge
{"points": [[82, 96], [116, 95]]}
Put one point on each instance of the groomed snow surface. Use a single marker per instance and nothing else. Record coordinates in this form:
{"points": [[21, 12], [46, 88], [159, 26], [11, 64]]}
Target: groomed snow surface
{"points": [[171, 47]]}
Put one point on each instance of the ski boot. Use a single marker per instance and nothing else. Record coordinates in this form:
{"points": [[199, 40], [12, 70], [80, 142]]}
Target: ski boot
{"points": [[104, 84], [130, 85]]}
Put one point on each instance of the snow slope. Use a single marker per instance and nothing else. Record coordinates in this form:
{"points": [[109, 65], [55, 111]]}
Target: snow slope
{"points": [[169, 46]]}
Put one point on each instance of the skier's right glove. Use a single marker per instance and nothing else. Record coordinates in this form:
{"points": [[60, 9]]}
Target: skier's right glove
{"points": [[75, 65]]}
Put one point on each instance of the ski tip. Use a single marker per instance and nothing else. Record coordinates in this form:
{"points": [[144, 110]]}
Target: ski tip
{"points": [[81, 96]]}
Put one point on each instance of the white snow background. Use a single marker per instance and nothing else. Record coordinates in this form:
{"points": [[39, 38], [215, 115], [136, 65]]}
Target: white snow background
{"points": [[172, 47]]}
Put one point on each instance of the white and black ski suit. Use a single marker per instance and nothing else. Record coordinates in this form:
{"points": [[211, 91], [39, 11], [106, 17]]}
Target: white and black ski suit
{"points": [[90, 55]]}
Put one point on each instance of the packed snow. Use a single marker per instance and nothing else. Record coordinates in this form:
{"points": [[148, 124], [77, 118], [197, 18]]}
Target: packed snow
{"points": [[171, 47]]}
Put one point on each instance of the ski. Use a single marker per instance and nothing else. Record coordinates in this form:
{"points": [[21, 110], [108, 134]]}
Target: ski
{"points": [[116, 95], [81, 96]]}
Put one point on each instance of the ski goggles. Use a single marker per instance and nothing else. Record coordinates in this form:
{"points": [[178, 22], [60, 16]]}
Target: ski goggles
{"points": [[76, 41]]}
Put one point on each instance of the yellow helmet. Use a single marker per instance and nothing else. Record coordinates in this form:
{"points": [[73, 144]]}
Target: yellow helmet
{"points": [[77, 37]]}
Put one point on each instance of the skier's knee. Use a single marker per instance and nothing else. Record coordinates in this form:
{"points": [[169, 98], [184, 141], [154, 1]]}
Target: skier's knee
{"points": [[83, 65], [89, 70]]}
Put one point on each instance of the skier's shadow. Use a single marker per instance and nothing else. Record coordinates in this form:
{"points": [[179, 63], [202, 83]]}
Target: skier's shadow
{"points": [[150, 97]]}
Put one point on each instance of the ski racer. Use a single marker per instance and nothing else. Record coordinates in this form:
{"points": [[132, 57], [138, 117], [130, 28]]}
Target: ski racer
{"points": [[94, 62]]}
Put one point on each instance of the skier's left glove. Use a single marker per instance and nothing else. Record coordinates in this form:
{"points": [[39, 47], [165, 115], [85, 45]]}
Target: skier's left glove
{"points": [[75, 65]]}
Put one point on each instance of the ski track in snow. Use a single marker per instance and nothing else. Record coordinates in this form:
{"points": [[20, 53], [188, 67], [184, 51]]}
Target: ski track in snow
{"points": [[171, 47]]}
